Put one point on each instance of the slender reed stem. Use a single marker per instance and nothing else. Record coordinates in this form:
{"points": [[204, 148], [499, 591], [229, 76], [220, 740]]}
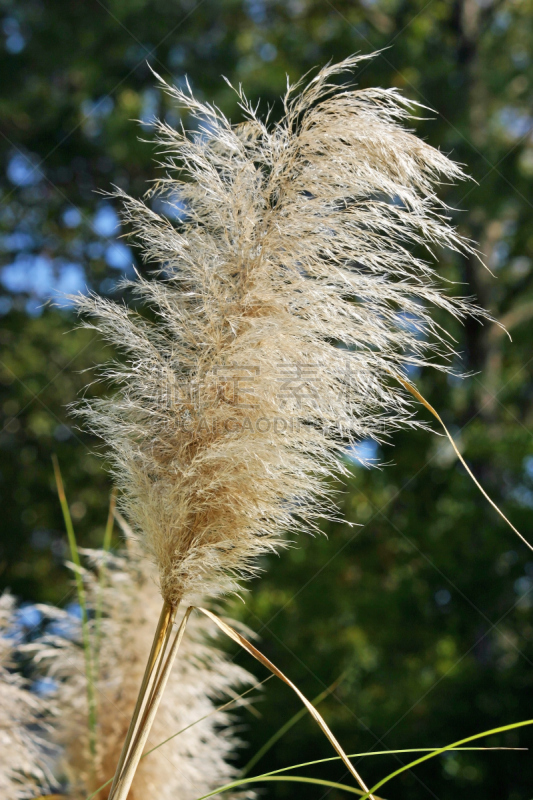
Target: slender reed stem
{"points": [[166, 619], [160, 666], [87, 650], [154, 686], [128, 773]]}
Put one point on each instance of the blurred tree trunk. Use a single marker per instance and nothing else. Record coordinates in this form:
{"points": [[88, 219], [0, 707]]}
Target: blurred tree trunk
{"points": [[482, 349]]}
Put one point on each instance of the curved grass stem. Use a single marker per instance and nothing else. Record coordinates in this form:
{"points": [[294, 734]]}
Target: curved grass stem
{"points": [[454, 745]]}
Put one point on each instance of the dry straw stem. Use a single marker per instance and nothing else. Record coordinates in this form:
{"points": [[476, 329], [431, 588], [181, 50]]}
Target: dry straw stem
{"points": [[236, 699], [164, 626], [134, 756], [287, 726], [123, 783], [296, 285]]}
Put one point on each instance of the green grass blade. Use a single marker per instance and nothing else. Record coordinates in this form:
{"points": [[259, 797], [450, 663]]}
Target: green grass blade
{"points": [[287, 726], [273, 776], [101, 580], [432, 750], [294, 779], [82, 599], [412, 764], [103, 786], [110, 521], [269, 775], [261, 779]]}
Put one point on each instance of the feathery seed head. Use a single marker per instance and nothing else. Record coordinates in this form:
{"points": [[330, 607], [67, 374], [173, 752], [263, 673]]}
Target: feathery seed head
{"points": [[280, 309]]}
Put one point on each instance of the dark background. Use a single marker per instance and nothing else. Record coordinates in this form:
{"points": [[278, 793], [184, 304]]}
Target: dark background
{"points": [[426, 609]]}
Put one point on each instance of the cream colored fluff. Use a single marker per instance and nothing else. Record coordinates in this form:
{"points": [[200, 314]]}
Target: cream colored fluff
{"points": [[279, 311]]}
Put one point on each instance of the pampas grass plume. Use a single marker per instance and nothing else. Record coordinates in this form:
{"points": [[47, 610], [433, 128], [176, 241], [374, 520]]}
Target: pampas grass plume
{"points": [[283, 313], [280, 311]]}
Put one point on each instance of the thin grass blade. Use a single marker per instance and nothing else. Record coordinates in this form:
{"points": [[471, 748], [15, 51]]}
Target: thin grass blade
{"points": [[287, 779], [243, 781], [78, 572], [214, 711], [414, 391], [457, 744]]}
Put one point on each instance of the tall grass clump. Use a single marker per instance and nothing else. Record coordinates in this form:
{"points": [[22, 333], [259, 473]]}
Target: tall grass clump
{"points": [[193, 762], [24, 756], [277, 328]]}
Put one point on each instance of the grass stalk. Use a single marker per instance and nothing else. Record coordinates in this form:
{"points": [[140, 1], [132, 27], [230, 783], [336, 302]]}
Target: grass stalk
{"points": [[125, 779], [166, 618], [420, 397], [432, 751], [160, 665], [216, 710], [82, 599]]}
